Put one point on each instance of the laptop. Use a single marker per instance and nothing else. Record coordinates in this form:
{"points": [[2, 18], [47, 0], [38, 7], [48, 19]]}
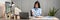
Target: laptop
{"points": [[24, 15]]}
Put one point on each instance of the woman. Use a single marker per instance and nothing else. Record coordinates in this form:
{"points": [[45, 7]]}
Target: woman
{"points": [[36, 11]]}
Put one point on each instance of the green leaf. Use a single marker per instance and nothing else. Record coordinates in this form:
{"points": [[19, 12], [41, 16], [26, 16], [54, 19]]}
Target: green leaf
{"points": [[53, 11]]}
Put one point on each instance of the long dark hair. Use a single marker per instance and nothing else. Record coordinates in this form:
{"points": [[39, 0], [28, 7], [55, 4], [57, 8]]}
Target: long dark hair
{"points": [[38, 4]]}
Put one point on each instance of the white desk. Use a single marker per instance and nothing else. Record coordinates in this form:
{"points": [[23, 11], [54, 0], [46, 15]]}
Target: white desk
{"points": [[44, 18]]}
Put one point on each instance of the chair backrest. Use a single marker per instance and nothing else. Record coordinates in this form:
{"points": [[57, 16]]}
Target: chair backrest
{"points": [[31, 12], [24, 15]]}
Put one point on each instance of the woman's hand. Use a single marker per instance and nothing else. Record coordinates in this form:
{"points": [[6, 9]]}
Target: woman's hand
{"points": [[39, 16]]}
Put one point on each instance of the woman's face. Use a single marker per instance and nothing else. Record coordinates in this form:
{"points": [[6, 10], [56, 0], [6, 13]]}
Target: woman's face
{"points": [[36, 6]]}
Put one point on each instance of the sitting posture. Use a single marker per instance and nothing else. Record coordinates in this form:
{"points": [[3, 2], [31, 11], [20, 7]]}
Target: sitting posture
{"points": [[36, 11]]}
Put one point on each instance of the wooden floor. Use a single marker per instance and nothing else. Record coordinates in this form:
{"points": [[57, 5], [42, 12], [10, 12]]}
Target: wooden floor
{"points": [[4, 19], [12, 19]]}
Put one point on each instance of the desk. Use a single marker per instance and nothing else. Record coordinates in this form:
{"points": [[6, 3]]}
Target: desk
{"points": [[44, 18]]}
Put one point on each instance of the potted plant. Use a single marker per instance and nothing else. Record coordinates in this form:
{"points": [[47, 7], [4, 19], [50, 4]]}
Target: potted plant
{"points": [[53, 11]]}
